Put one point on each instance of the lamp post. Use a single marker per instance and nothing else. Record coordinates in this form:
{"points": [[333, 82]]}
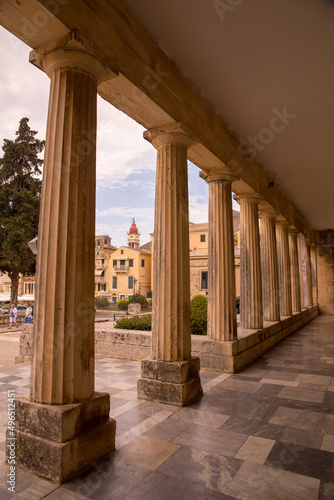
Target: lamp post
{"points": [[32, 244]]}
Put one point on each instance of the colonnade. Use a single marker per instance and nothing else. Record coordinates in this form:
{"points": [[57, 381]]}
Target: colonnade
{"points": [[64, 424]]}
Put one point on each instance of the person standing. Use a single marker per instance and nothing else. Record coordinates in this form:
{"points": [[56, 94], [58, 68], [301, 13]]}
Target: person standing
{"points": [[28, 315], [12, 315]]}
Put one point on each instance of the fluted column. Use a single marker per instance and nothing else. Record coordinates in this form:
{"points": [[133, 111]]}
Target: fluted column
{"points": [[314, 268], [251, 309], [301, 259], [308, 273], [222, 323], [64, 418], [294, 262], [269, 269], [171, 334], [284, 269]]}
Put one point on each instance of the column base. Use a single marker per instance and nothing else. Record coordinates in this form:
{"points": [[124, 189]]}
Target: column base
{"points": [[173, 382], [57, 441]]}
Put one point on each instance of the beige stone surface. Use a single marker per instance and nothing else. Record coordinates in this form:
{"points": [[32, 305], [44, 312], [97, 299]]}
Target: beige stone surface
{"points": [[284, 267], [255, 449]]}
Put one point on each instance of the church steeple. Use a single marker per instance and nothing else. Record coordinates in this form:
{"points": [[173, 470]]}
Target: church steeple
{"points": [[133, 236]]}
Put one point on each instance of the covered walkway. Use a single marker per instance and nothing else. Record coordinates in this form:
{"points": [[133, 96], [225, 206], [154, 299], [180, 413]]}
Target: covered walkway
{"points": [[265, 433]]}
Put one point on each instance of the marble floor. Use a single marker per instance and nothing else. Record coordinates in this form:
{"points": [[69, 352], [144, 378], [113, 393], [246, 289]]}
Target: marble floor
{"points": [[266, 433]]}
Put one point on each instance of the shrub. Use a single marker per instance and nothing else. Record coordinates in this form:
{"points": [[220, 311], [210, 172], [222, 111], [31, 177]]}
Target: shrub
{"points": [[101, 303], [149, 294], [122, 305], [140, 299], [198, 315], [143, 323]]}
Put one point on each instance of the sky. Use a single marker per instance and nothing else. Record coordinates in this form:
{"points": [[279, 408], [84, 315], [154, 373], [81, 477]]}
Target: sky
{"points": [[125, 161]]}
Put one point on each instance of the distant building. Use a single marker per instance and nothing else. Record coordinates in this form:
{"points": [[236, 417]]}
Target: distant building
{"points": [[121, 272]]}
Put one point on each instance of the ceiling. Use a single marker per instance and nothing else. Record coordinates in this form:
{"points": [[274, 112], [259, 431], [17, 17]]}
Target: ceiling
{"points": [[255, 60]]}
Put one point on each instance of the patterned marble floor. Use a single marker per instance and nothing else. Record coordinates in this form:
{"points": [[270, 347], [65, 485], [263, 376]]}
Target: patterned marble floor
{"points": [[266, 433]]}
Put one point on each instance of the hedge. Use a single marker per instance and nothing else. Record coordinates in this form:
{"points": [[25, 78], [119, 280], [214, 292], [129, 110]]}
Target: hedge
{"points": [[143, 323], [198, 315]]}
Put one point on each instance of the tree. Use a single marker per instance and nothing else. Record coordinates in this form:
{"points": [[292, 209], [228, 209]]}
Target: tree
{"points": [[20, 190]]}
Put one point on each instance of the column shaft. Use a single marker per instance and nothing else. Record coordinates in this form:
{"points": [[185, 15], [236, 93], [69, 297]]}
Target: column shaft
{"points": [[308, 274], [269, 269], [171, 336], [314, 267], [284, 270], [295, 278], [63, 359], [301, 255], [251, 311]]}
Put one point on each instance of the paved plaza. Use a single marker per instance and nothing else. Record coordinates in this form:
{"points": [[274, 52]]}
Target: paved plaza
{"points": [[266, 433]]}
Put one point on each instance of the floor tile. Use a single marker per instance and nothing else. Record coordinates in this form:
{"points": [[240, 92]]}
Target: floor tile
{"points": [[211, 470], [302, 394], [206, 418], [255, 449], [255, 482], [146, 452], [302, 460], [211, 440], [302, 437], [253, 427], [327, 443]]}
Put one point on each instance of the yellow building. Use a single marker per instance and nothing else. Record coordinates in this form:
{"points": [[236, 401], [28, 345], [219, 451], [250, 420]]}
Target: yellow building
{"points": [[121, 272]]}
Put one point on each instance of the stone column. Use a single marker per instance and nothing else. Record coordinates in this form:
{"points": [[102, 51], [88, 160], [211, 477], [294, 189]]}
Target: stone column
{"points": [[314, 268], [172, 375], [269, 269], [301, 271], [284, 270], [294, 262], [65, 425], [251, 309], [308, 273], [222, 323]]}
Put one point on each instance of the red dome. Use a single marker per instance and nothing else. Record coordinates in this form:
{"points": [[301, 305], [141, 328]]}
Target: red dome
{"points": [[133, 229]]}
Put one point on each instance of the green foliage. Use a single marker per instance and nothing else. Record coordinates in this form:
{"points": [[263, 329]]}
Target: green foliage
{"points": [[198, 315], [122, 305], [140, 299], [20, 188], [142, 323], [102, 303], [149, 294]]}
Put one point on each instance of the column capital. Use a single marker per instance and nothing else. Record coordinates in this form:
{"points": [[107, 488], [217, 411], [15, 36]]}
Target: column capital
{"points": [[73, 51], [172, 133], [267, 212], [281, 221], [248, 198], [218, 176], [293, 230]]}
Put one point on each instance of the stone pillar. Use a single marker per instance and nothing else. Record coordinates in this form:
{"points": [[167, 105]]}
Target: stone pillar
{"points": [[284, 270], [269, 269], [314, 269], [251, 309], [295, 278], [65, 425], [222, 321], [301, 253], [171, 375], [308, 273]]}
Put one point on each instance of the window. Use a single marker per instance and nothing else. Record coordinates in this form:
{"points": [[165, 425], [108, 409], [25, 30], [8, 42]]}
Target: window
{"points": [[114, 282], [122, 251], [101, 287], [122, 262], [204, 280], [143, 263], [28, 288], [98, 243], [130, 282], [97, 253], [202, 238], [102, 261], [130, 262], [122, 297], [114, 263], [105, 242]]}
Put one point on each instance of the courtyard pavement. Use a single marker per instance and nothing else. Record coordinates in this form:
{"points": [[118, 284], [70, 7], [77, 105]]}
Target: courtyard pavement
{"points": [[266, 433]]}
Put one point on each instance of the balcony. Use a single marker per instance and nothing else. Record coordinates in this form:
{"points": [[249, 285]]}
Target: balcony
{"points": [[99, 265], [100, 279], [121, 269]]}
